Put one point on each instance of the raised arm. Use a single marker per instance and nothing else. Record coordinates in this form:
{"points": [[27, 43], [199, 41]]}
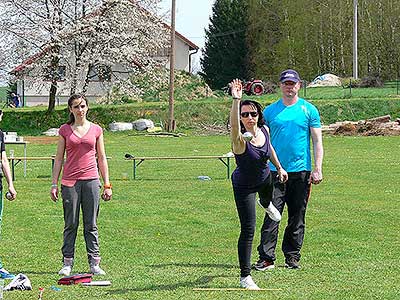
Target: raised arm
{"points": [[238, 144]]}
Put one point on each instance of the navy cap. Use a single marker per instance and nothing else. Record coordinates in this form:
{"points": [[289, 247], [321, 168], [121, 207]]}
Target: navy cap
{"points": [[289, 75]]}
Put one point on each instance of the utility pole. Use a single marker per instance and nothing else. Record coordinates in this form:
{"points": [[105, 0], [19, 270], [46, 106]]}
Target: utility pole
{"points": [[171, 126], [355, 46]]}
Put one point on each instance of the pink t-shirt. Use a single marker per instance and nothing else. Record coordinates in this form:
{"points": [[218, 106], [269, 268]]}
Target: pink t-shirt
{"points": [[80, 162]]}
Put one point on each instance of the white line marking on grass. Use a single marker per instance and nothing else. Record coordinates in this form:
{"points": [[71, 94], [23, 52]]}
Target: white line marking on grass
{"points": [[232, 289]]}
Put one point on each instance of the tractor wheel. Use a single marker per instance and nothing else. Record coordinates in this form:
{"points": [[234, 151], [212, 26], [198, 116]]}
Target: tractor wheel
{"points": [[257, 89]]}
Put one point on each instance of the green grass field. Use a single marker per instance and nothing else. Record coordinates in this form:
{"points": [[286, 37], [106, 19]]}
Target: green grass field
{"points": [[3, 94], [325, 93], [168, 232]]}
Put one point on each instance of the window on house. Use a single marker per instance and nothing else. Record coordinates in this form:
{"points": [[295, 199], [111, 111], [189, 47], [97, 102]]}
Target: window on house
{"points": [[60, 76], [99, 73]]}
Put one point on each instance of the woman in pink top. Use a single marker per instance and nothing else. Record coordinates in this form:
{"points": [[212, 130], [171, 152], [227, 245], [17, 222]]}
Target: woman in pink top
{"points": [[81, 141]]}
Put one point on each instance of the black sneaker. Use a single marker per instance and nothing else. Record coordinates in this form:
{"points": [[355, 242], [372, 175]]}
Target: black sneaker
{"points": [[292, 263], [262, 265]]}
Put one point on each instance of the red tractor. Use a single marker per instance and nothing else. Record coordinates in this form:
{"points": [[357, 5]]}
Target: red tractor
{"points": [[253, 87]]}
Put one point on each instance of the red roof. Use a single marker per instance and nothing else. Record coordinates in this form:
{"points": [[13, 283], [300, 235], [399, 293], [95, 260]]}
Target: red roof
{"points": [[191, 45], [30, 60]]}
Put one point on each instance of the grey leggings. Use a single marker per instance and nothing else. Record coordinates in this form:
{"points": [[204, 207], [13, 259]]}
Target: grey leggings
{"points": [[85, 194]]}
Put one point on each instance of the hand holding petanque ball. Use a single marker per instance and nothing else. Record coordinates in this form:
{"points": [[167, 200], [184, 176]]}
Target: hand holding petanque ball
{"points": [[10, 196], [247, 136]]}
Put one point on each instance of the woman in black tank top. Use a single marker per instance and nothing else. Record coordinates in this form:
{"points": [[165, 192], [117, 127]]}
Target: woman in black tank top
{"points": [[253, 150]]}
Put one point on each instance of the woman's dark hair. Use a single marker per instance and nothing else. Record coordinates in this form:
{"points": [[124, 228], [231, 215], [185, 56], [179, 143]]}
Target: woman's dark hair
{"points": [[261, 121], [70, 101]]}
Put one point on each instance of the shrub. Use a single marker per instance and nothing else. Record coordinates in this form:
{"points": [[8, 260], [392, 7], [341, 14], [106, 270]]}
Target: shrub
{"points": [[187, 86], [270, 87], [347, 81], [371, 81]]}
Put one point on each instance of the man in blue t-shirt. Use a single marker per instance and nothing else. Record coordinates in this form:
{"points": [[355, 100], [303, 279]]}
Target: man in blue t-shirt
{"points": [[292, 122]]}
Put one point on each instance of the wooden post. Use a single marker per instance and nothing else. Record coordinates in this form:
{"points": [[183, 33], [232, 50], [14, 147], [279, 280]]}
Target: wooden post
{"points": [[171, 126], [355, 39]]}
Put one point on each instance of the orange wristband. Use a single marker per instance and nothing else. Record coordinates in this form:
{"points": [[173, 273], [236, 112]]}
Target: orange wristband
{"points": [[107, 186]]}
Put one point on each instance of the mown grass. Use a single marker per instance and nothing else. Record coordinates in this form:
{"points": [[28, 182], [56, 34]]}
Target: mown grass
{"points": [[168, 232], [331, 93], [3, 95]]}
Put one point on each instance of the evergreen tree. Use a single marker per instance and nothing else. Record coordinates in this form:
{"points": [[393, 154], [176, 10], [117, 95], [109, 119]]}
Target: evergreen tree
{"points": [[225, 55], [265, 32]]}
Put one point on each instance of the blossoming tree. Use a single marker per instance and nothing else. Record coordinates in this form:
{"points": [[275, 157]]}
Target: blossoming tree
{"points": [[80, 34]]}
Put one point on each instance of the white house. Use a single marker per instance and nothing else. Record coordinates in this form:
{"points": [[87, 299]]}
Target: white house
{"points": [[102, 77]]}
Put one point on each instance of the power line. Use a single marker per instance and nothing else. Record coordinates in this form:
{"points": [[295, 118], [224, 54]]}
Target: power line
{"points": [[226, 33]]}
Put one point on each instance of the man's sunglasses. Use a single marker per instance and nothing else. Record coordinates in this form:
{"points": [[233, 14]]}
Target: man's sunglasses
{"points": [[247, 113]]}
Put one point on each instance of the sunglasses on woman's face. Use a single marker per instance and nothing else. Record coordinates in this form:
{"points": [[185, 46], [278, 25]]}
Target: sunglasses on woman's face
{"points": [[247, 113]]}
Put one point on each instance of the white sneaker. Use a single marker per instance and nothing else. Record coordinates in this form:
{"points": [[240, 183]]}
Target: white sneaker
{"points": [[65, 270], [271, 211], [248, 283], [96, 270], [2, 270]]}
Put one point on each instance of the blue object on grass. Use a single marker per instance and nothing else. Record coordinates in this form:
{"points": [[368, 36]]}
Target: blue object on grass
{"points": [[54, 288], [6, 275]]}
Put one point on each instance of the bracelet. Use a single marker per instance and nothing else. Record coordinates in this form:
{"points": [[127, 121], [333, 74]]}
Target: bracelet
{"points": [[107, 186], [234, 98], [54, 185]]}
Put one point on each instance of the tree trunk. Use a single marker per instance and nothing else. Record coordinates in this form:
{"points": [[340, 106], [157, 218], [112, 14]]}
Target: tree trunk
{"points": [[52, 96], [55, 61], [86, 82]]}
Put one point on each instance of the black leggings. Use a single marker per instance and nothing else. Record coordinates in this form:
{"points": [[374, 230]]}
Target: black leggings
{"points": [[246, 207]]}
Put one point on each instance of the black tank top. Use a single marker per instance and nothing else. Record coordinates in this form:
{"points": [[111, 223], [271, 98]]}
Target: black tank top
{"points": [[252, 167]]}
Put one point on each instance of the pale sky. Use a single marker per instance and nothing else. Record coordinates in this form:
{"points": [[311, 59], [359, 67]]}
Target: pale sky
{"points": [[191, 18]]}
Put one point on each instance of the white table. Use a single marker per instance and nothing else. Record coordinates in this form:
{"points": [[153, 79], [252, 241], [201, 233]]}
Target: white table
{"points": [[19, 143]]}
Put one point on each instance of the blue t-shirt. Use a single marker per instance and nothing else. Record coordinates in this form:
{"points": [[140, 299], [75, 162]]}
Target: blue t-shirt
{"points": [[290, 133]]}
